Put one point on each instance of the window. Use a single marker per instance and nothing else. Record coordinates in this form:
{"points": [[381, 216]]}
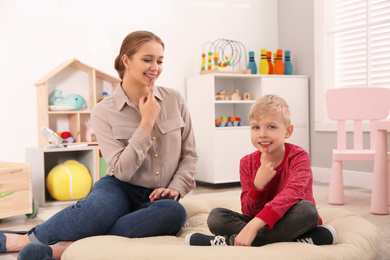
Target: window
{"points": [[352, 46]]}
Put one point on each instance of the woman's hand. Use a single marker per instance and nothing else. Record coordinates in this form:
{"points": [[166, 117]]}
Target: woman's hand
{"points": [[249, 232], [162, 193], [149, 109]]}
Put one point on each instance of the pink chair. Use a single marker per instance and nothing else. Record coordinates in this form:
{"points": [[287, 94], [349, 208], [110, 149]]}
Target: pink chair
{"points": [[355, 104]]}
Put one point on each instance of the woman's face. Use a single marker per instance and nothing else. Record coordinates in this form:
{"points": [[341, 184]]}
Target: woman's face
{"points": [[146, 64]]}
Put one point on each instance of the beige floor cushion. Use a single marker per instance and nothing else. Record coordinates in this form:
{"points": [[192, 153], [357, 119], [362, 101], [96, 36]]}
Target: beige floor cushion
{"points": [[358, 239]]}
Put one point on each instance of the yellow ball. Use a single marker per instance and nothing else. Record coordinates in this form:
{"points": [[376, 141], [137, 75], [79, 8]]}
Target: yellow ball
{"points": [[69, 181]]}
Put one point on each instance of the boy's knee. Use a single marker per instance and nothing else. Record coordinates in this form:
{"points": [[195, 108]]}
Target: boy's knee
{"points": [[214, 219], [309, 209]]}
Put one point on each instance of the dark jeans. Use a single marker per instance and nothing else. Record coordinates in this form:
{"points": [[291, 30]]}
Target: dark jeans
{"points": [[112, 207], [299, 219]]}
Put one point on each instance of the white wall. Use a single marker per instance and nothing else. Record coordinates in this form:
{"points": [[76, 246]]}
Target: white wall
{"points": [[296, 31], [36, 36]]}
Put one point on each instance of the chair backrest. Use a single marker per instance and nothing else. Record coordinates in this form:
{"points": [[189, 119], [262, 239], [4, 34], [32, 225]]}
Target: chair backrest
{"points": [[357, 104]]}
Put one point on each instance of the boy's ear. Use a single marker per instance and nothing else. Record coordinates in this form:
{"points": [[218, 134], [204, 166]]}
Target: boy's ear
{"points": [[290, 130]]}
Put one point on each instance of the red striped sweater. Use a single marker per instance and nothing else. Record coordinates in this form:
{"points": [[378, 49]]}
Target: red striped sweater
{"points": [[292, 182]]}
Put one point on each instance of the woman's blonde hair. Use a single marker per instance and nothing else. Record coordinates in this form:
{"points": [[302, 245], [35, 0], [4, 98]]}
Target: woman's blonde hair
{"points": [[270, 104], [131, 44]]}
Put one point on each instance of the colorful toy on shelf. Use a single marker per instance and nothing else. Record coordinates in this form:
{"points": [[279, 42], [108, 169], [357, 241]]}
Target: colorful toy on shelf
{"points": [[275, 56], [103, 96], [279, 66], [203, 67], [71, 102], [224, 53], [228, 122], [69, 181], [252, 64], [209, 57], [270, 65], [66, 137], [89, 133], [263, 68], [287, 63]]}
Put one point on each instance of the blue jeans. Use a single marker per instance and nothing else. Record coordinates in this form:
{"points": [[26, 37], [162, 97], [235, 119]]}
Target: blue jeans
{"points": [[112, 207], [299, 219]]}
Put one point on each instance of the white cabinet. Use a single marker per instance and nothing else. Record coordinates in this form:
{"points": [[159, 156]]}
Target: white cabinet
{"points": [[221, 148], [42, 160]]}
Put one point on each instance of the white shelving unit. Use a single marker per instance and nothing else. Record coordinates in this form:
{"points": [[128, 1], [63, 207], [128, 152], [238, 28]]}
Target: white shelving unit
{"points": [[42, 160], [221, 148]]}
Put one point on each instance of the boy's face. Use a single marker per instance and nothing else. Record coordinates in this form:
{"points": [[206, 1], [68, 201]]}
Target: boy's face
{"points": [[269, 132]]}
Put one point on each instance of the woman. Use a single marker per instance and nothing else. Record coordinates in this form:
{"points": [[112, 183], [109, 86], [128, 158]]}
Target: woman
{"points": [[145, 136]]}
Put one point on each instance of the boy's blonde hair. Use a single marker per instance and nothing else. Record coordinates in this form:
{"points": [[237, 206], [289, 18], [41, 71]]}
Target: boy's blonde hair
{"points": [[270, 104]]}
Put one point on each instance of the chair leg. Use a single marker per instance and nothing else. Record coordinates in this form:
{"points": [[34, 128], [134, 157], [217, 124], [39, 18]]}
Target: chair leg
{"points": [[336, 185], [388, 180]]}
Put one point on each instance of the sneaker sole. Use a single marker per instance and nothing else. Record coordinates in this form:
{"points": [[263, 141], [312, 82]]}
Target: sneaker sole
{"points": [[187, 239]]}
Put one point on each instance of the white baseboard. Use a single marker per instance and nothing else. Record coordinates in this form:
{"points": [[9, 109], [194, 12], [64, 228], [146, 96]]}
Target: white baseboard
{"points": [[351, 178]]}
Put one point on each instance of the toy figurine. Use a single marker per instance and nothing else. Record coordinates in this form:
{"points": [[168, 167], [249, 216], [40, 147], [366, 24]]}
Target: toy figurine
{"points": [[279, 66], [89, 133], [70, 102], [263, 68], [103, 96], [270, 65], [252, 64], [287, 63]]}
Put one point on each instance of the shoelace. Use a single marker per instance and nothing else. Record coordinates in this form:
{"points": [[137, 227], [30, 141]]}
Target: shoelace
{"points": [[308, 240], [218, 241]]}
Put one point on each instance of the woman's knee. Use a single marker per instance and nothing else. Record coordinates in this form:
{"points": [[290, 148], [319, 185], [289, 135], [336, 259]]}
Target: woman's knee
{"points": [[172, 209]]}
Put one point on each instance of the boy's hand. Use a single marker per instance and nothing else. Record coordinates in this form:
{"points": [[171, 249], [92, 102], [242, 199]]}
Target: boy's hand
{"points": [[249, 232], [265, 173]]}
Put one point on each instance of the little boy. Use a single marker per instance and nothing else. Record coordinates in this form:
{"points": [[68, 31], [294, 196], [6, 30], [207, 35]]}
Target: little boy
{"points": [[277, 197]]}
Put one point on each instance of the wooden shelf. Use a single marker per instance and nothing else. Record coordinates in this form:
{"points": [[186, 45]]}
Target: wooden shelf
{"points": [[73, 76]]}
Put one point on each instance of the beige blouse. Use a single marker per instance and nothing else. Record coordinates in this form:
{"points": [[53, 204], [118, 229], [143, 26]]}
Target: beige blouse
{"points": [[166, 158]]}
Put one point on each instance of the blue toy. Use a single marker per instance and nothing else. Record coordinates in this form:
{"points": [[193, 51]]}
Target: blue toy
{"points": [[287, 63], [70, 102], [252, 64]]}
